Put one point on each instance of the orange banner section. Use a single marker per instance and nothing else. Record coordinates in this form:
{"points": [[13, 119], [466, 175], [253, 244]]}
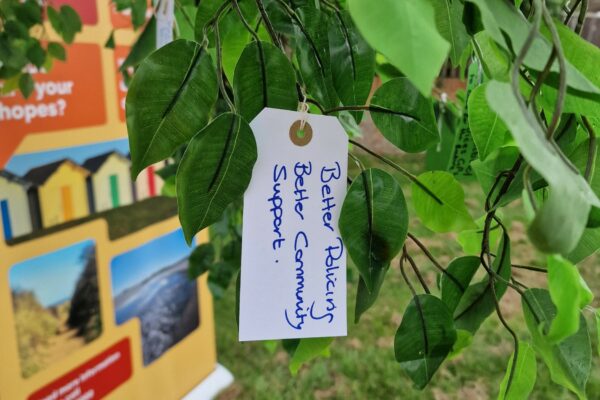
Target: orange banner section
{"points": [[71, 95]]}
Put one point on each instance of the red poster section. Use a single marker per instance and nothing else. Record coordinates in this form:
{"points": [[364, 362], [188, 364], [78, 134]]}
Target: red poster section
{"points": [[94, 379], [71, 95]]}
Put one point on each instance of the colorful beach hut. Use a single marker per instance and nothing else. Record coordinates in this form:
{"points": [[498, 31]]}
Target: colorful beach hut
{"points": [[109, 184], [62, 191], [19, 209], [148, 183]]}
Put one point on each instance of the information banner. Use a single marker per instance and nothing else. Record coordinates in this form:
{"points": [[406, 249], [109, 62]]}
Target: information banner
{"points": [[95, 298]]}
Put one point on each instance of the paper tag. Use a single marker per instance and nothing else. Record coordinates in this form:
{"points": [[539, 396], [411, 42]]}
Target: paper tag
{"points": [[293, 282], [165, 15], [464, 150]]}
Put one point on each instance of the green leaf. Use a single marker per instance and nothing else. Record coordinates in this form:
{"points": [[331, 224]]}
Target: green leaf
{"points": [[138, 12], [35, 53], [404, 116], [312, 53], [477, 303], [352, 61], [214, 171], [425, 337], [470, 240], [448, 19], [569, 293], [365, 298], [307, 350], [579, 156], [522, 377], [404, 32], [509, 28], [29, 12], [570, 361], [584, 56], [449, 213], [588, 245], [488, 131], [373, 223], [26, 85], [70, 23], [206, 10], [264, 78], [567, 186], [463, 340], [143, 46], [456, 280], [201, 260], [180, 79], [56, 50]]}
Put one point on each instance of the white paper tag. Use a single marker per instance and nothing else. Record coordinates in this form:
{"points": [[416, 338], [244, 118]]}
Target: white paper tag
{"points": [[165, 16], [293, 282]]}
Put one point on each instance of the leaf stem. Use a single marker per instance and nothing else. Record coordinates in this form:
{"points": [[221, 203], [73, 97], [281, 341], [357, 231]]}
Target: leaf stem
{"points": [[398, 168], [269, 25], [220, 72], [236, 7], [416, 270]]}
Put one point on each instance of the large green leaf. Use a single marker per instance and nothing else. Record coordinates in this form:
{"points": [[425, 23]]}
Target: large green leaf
{"points": [[509, 28], [456, 280], [264, 77], [579, 156], [214, 171], [522, 377], [448, 19], [404, 32], [352, 61], [448, 212], [569, 361], [488, 131], [567, 186], [180, 80], [312, 52], [373, 223], [425, 337], [477, 303], [404, 116], [569, 293]]}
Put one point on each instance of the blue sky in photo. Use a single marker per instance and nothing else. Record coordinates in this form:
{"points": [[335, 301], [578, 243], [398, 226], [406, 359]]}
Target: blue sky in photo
{"points": [[20, 164], [53, 276], [128, 269]]}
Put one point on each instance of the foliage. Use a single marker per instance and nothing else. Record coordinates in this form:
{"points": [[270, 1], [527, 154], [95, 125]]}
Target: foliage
{"points": [[25, 45]]}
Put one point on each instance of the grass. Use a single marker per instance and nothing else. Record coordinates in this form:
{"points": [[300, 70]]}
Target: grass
{"points": [[362, 365]]}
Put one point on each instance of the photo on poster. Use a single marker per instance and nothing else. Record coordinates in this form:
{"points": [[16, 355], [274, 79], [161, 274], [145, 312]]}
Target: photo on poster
{"points": [[151, 283], [45, 192], [56, 305]]}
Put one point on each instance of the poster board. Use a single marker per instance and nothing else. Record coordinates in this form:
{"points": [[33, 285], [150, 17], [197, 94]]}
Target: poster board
{"points": [[85, 256]]}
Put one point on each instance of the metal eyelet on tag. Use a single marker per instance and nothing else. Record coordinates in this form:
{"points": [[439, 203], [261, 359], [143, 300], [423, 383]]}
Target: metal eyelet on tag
{"points": [[299, 136]]}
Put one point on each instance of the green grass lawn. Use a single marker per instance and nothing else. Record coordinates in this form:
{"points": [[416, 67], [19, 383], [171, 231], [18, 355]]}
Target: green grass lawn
{"points": [[362, 365]]}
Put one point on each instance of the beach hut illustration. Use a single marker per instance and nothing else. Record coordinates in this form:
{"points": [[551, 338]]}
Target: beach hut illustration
{"points": [[19, 207], [109, 183], [62, 191], [148, 183]]}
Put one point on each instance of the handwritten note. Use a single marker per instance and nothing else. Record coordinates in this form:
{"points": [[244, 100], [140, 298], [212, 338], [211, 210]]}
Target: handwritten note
{"points": [[293, 282], [464, 150]]}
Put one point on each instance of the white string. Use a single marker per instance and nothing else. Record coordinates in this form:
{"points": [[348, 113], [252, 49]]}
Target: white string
{"points": [[303, 111]]}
